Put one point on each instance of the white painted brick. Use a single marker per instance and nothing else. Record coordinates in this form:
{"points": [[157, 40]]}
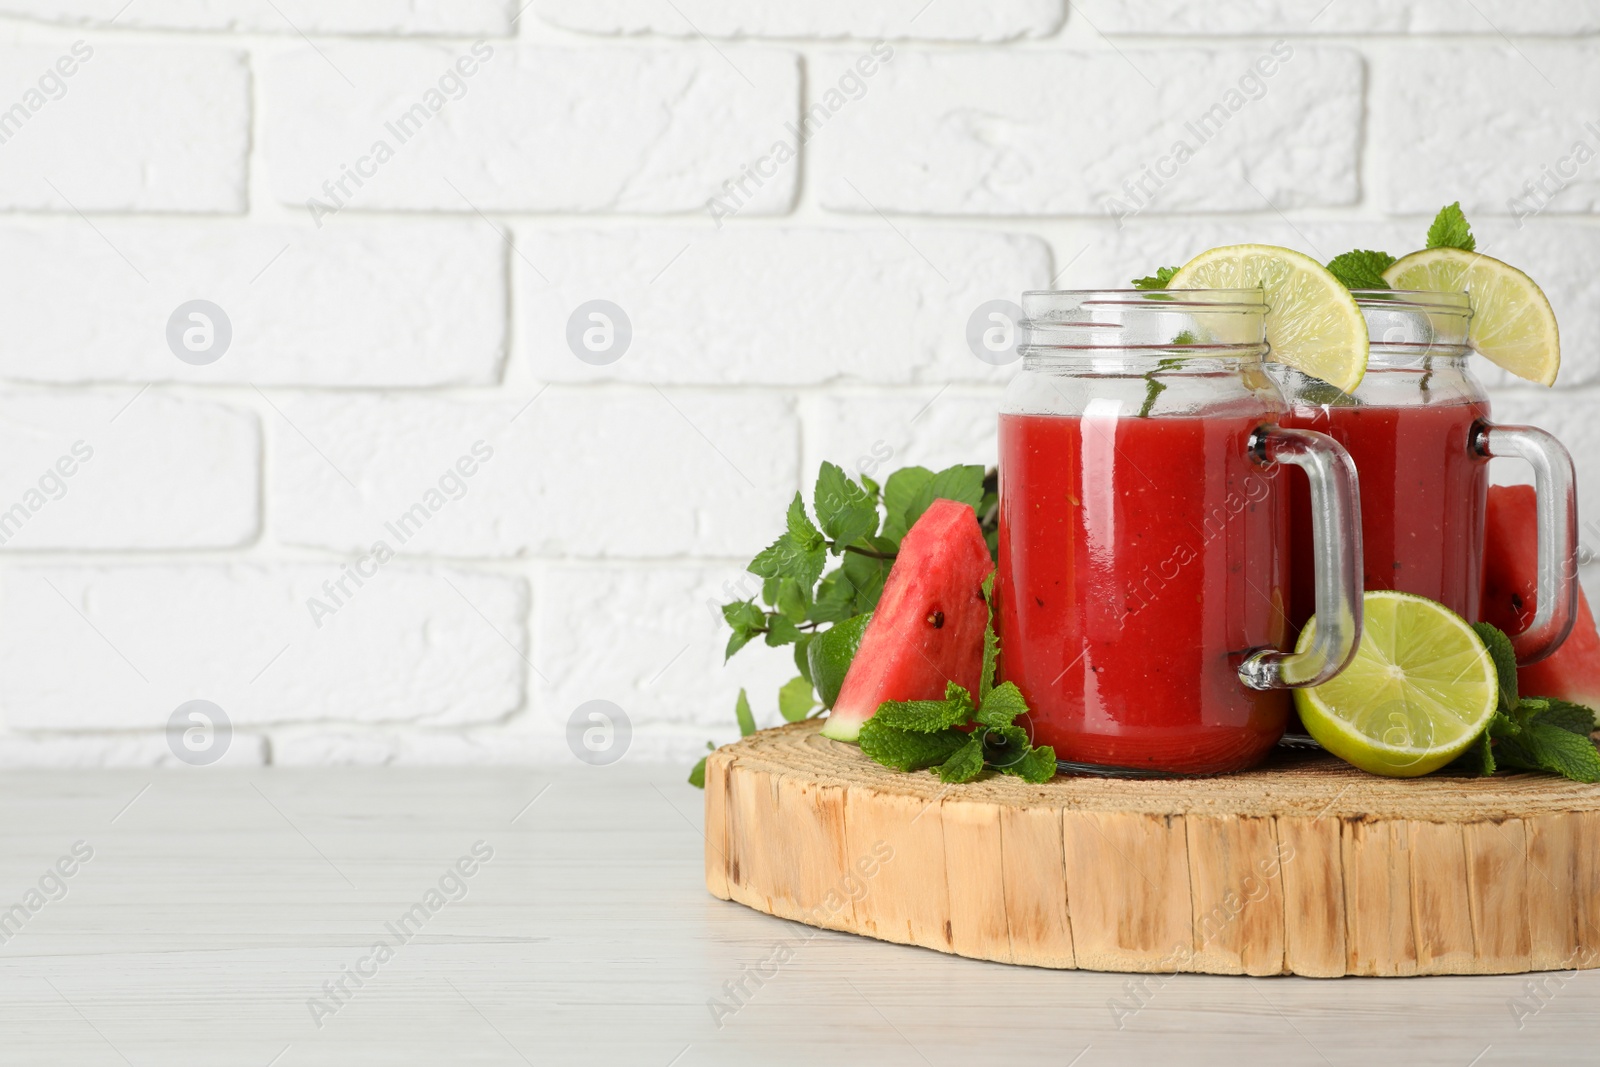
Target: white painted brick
{"points": [[442, 17], [533, 129], [581, 473], [773, 306], [1508, 124], [87, 648], [1563, 258], [877, 433], [148, 128], [116, 750], [1038, 133], [406, 304], [996, 20], [1300, 17], [126, 470], [651, 641]]}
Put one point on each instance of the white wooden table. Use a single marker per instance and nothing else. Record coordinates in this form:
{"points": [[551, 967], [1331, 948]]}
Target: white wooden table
{"points": [[216, 904]]}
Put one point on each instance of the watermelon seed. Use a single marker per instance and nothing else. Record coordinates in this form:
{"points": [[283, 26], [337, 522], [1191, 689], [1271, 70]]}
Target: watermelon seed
{"points": [[936, 620]]}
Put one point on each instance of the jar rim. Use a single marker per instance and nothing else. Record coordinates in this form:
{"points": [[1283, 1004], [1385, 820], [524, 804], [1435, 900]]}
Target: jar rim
{"points": [[1177, 322], [1422, 300], [1211, 300]]}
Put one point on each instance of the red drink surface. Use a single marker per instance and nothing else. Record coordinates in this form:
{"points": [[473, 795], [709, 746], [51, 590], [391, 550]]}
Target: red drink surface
{"points": [[1140, 560], [1423, 495]]}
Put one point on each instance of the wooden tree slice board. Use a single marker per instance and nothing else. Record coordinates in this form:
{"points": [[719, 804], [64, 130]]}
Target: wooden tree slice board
{"points": [[1306, 866]]}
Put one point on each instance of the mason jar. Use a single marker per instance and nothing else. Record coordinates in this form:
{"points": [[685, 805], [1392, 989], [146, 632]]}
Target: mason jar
{"points": [[1144, 532], [1418, 429]]}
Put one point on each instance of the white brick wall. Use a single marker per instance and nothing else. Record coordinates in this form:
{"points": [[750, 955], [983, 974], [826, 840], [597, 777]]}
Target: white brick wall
{"points": [[402, 207]]}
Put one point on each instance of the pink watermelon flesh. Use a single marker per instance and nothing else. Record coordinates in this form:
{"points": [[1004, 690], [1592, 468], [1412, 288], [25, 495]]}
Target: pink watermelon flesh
{"points": [[1571, 672], [928, 626]]}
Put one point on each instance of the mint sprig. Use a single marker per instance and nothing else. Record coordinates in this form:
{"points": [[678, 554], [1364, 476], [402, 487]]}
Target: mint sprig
{"points": [[914, 735], [1530, 733], [1363, 268], [857, 522]]}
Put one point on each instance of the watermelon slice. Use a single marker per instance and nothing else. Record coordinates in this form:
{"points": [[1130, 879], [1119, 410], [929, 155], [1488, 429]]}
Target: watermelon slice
{"points": [[928, 626], [1571, 672]]}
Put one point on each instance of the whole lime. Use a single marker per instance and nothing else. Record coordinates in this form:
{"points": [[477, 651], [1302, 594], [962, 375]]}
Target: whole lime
{"points": [[830, 653]]}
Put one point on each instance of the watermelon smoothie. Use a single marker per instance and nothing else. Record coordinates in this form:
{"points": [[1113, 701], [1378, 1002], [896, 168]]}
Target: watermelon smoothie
{"points": [[1418, 429], [1423, 492], [1141, 559]]}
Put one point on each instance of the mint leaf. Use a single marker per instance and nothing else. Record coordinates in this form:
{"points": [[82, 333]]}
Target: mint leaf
{"points": [[1450, 230], [927, 716], [962, 483], [788, 558], [1574, 718], [1159, 280], [1038, 766], [1002, 706], [800, 553], [911, 490], [736, 641], [1503, 725], [845, 510], [746, 619], [1477, 759], [907, 750], [796, 699], [697, 773], [801, 528], [965, 765], [1155, 387], [741, 711], [1542, 747], [1505, 663], [793, 600], [781, 631], [1361, 269], [900, 492], [991, 643], [866, 575], [835, 599], [743, 613]]}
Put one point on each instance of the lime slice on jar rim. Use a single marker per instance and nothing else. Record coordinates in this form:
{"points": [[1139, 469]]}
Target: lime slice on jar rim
{"points": [[1313, 323], [1512, 324]]}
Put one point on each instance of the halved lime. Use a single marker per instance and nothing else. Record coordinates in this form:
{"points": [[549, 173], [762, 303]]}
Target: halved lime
{"points": [[1512, 321], [1313, 323], [1420, 690]]}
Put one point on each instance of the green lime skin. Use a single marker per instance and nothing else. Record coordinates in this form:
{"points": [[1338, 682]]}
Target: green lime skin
{"points": [[830, 653]]}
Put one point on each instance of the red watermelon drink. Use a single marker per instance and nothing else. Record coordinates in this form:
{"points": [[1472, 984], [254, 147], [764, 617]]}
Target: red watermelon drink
{"points": [[1143, 572], [1418, 430], [1423, 487]]}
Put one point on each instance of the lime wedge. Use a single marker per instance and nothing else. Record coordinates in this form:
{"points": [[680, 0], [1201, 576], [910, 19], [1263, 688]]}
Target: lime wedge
{"points": [[1421, 689], [1512, 322], [1313, 323]]}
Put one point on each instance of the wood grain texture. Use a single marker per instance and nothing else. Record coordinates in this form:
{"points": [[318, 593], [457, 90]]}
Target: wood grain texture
{"points": [[1306, 866]]}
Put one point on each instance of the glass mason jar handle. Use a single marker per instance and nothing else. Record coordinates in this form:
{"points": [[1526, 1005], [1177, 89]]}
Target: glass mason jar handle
{"points": [[1556, 601], [1336, 538]]}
